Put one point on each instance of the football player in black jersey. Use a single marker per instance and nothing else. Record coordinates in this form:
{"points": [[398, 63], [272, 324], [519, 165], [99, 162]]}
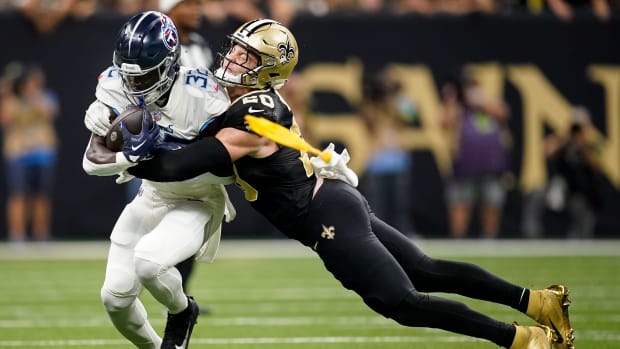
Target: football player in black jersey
{"points": [[389, 272]]}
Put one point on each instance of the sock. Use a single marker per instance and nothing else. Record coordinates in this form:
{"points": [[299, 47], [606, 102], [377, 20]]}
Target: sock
{"points": [[524, 301]]}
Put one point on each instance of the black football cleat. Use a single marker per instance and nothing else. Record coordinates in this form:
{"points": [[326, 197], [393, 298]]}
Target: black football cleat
{"points": [[179, 327]]}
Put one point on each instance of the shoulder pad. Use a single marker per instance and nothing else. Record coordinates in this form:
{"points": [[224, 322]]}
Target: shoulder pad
{"points": [[200, 83], [109, 89], [198, 80], [258, 103]]}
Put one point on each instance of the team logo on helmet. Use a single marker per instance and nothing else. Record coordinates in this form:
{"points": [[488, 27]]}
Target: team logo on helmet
{"points": [[170, 35], [287, 51]]}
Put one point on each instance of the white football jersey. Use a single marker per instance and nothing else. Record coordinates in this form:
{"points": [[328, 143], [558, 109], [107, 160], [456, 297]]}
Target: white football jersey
{"points": [[195, 98]]}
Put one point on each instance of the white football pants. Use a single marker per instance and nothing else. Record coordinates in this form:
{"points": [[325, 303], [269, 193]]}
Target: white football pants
{"points": [[149, 238]]}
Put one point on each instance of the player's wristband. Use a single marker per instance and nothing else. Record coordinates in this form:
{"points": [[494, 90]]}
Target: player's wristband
{"points": [[122, 160]]}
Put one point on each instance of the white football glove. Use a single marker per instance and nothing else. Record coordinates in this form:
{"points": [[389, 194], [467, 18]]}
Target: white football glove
{"points": [[336, 168], [97, 118]]}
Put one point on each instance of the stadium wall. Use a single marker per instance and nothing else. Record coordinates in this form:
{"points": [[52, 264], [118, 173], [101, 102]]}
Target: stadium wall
{"points": [[540, 65]]}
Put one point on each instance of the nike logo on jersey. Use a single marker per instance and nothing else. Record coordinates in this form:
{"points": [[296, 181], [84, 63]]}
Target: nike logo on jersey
{"points": [[252, 110]]}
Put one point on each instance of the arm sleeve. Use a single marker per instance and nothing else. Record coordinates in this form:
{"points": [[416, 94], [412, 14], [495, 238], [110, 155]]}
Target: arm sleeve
{"points": [[108, 169], [205, 155]]}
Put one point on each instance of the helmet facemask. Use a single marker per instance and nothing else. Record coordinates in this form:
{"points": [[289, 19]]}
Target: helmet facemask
{"points": [[248, 76], [145, 86]]}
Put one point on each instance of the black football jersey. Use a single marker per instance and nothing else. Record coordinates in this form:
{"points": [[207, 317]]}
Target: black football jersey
{"points": [[279, 186]]}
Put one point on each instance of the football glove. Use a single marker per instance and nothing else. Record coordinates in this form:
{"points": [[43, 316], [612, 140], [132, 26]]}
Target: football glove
{"points": [[138, 147], [336, 168], [97, 118]]}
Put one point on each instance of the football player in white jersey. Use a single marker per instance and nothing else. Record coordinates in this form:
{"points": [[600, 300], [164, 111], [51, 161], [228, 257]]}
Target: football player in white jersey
{"points": [[166, 223], [195, 52]]}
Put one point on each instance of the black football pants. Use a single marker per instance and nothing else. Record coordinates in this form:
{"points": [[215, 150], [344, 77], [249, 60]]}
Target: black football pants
{"points": [[393, 276]]}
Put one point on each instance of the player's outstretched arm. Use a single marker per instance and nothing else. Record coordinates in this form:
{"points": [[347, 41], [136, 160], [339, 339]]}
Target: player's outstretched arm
{"points": [[209, 155], [205, 155]]}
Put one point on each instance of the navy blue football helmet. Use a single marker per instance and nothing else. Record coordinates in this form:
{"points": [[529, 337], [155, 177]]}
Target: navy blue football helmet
{"points": [[146, 54]]}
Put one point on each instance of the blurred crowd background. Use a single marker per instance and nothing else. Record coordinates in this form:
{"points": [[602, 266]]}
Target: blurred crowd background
{"points": [[438, 102], [46, 14]]}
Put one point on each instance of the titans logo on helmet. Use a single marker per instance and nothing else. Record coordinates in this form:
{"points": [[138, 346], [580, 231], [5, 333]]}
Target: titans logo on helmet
{"points": [[170, 37]]}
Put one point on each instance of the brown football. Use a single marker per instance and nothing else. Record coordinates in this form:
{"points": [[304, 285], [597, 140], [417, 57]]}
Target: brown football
{"points": [[133, 119]]}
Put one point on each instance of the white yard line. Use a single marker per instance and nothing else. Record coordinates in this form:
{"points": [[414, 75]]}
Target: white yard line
{"points": [[256, 249], [249, 341], [267, 321], [585, 335]]}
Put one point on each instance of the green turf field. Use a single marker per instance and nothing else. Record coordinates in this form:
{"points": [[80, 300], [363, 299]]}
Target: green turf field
{"points": [[282, 299]]}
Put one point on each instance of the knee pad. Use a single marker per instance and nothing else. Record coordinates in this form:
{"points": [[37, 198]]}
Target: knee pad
{"points": [[114, 302], [147, 270]]}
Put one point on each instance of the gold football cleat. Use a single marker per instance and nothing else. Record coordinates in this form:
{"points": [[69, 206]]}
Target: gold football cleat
{"points": [[549, 307], [532, 337]]}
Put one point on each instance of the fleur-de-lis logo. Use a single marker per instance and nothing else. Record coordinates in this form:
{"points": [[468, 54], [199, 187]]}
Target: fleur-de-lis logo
{"points": [[287, 51], [328, 232]]}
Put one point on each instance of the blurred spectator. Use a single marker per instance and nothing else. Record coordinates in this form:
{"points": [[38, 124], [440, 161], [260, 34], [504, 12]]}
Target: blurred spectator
{"points": [[30, 152], [576, 180], [187, 16], [386, 181], [424, 7], [565, 9], [449, 7], [477, 126], [462, 7], [45, 15], [83, 9], [371, 6], [282, 11]]}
